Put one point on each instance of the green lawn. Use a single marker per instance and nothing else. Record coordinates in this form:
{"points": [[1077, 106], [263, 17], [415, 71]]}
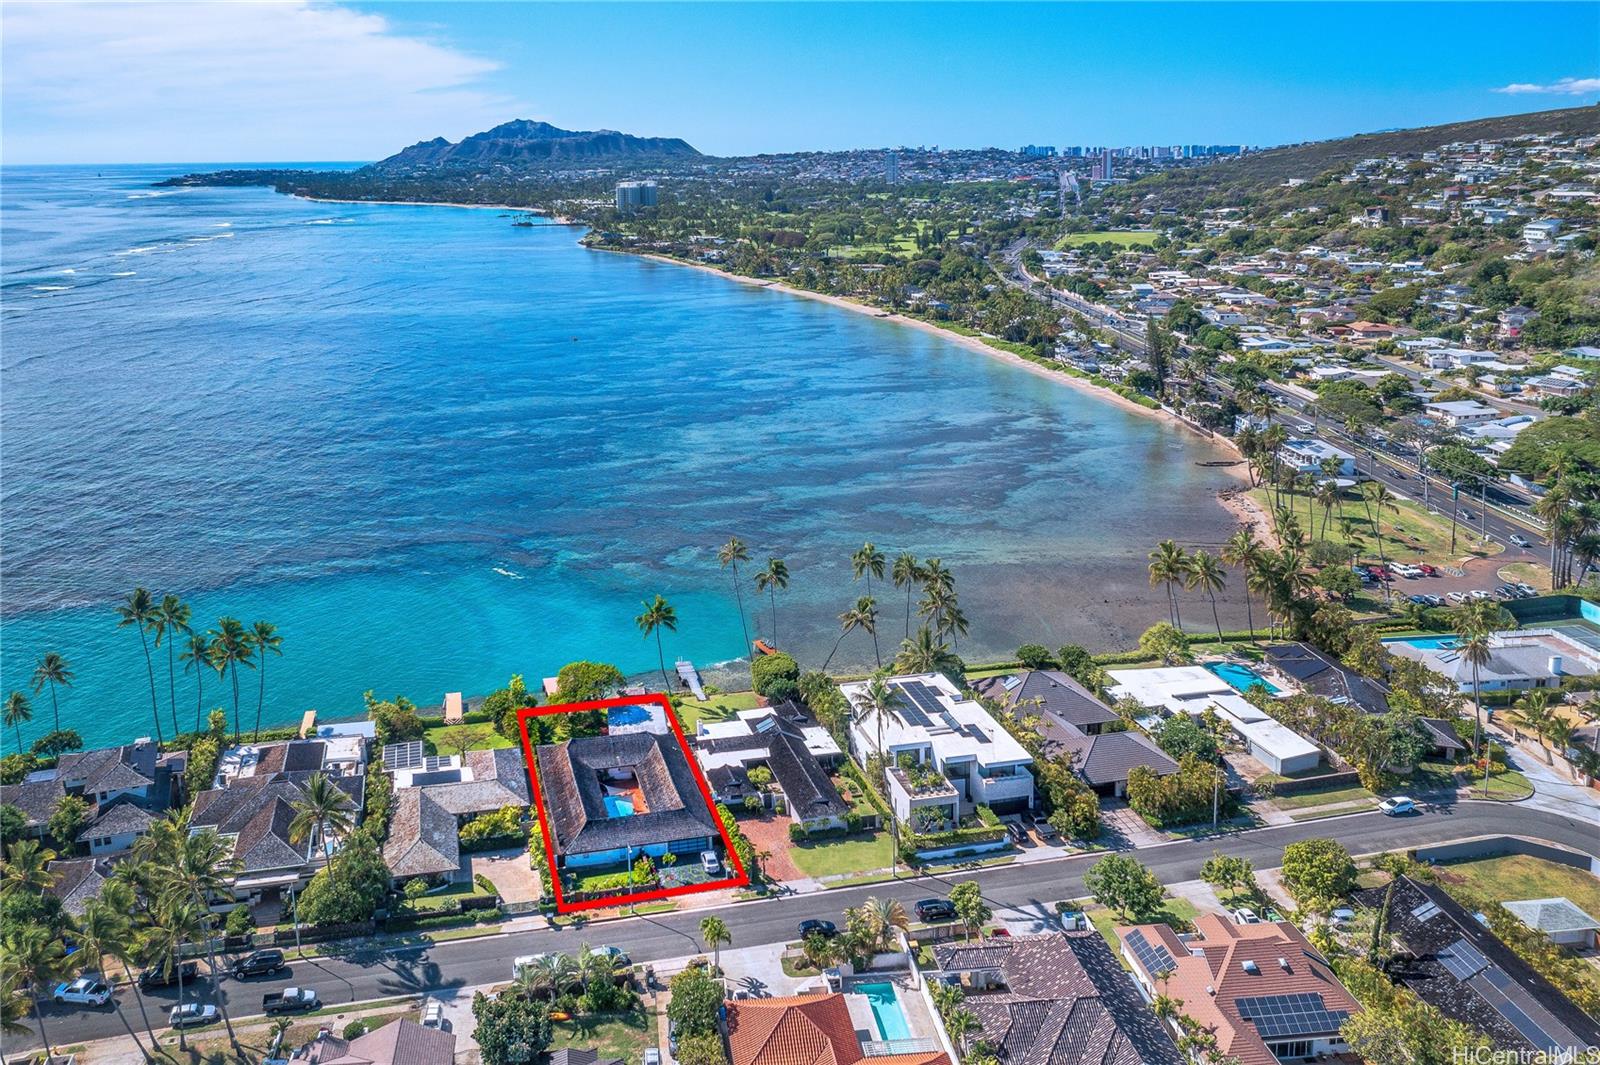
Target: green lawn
{"points": [[614, 1035], [1322, 797], [447, 896], [839, 857], [1179, 913], [450, 739], [717, 708], [1124, 239], [1516, 876], [1410, 533]]}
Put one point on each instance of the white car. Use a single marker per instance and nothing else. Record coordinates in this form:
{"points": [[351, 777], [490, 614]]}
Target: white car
{"points": [[616, 954], [1518, 540], [84, 991], [1397, 806], [1456, 597], [710, 863], [1245, 915], [525, 961], [652, 1056], [1528, 591], [1479, 593], [1406, 570], [433, 1014], [190, 1014]]}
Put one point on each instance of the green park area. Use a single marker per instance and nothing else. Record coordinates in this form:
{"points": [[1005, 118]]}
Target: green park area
{"points": [[843, 856], [1409, 532], [454, 739], [716, 708], [1122, 238]]}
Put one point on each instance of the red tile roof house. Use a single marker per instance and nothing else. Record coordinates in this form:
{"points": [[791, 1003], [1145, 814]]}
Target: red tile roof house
{"points": [[1262, 989], [803, 1030]]}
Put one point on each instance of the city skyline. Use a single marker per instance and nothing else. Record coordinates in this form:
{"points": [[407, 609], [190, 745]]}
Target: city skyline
{"points": [[311, 82]]}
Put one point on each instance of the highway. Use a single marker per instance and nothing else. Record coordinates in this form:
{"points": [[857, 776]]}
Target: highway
{"points": [[365, 973]]}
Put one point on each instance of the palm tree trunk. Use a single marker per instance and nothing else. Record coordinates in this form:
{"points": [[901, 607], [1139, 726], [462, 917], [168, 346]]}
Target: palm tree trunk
{"points": [[211, 967], [836, 644], [235, 671], [261, 695], [138, 996], [123, 1017], [55, 710], [44, 1036], [738, 597], [773, 593], [1214, 616], [876, 657], [177, 961], [661, 656], [199, 695], [155, 710], [18, 727], [908, 608], [172, 688]]}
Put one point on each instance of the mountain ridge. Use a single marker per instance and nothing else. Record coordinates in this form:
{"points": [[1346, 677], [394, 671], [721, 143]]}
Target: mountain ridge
{"points": [[524, 142]]}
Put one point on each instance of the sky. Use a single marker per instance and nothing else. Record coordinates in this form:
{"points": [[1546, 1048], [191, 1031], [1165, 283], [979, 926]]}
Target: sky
{"points": [[307, 81]]}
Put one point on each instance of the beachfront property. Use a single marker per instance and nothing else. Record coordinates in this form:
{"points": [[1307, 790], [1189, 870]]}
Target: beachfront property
{"points": [[1451, 960], [1058, 999], [942, 751], [1265, 993], [1316, 673], [610, 799], [126, 787], [1078, 726], [434, 796], [798, 752], [337, 751], [827, 1029], [1194, 690], [1306, 455], [1519, 659]]}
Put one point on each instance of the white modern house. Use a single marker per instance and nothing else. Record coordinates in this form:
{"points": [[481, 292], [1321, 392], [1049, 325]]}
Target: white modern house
{"points": [[943, 749], [1461, 413], [1307, 456], [1518, 660], [1194, 690]]}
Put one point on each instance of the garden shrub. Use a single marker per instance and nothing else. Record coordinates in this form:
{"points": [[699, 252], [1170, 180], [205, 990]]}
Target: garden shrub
{"points": [[769, 668]]}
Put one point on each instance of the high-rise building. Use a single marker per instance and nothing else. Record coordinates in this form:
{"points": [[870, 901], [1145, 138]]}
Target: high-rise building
{"points": [[632, 195], [891, 168], [1038, 151], [1105, 164]]}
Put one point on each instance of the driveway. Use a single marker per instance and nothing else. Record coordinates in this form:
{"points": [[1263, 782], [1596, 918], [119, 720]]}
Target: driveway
{"points": [[508, 870], [771, 834]]}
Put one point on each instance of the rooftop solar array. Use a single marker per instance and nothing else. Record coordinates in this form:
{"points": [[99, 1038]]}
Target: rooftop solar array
{"points": [[1291, 1016], [923, 701], [1426, 910], [410, 755], [1463, 960], [1153, 956]]}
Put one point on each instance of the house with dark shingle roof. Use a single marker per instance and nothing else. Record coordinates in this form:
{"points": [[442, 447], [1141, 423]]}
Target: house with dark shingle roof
{"points": [[115, 827], [582, 1056], [423, 838], [254, 813], [1453, 962], [77, 880], [137, 773], [797, 751], [1261, 989], [401, 1042], [435, 795], [610, 798], [1319, 674], [1052, 692], [1058, 999], [804, 1030]]}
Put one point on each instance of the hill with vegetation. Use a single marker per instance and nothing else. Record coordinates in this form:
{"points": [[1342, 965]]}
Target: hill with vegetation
{"points": [[526, 143]]}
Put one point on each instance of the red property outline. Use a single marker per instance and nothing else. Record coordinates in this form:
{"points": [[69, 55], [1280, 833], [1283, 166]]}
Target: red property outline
{"points": [[740, 879]]}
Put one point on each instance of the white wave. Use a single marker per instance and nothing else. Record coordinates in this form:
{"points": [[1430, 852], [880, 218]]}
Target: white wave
{"points": [[221, 225], [125, 273], [52, 288], [508, 573], [69, 270], [144, 250], [320, 222]]}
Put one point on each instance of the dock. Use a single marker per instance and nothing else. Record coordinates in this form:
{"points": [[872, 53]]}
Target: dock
{"points": [[691, 677]]}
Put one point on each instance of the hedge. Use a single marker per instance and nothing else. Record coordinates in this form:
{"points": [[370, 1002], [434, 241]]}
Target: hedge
{"points": [[855, 773]]}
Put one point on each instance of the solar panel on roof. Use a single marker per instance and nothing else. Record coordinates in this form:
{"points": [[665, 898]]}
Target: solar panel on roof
{"points": [[1153, 956], [1291, 1016], [408, 755], [1531, 1029], [1462, 959], [1426, 910]]}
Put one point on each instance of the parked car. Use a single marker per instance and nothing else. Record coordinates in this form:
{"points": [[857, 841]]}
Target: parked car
{"points": [[814, 927], [84, 991], [1456, 597], [1427, 570], [672, 1036], [1045, 829], [1518, 540], [1405, 570], [710, 863], [1304, 428], [935, 910], [1245, 915], [1528, 591], [433, 1015], [1342, 915], [191, 1014], [1397, 806], [165, 977], [261, 963], [289, 1000], [1420, 600], [619, 958], [525, 961], [1479, 593], [1017, 833], [652, 1056]]}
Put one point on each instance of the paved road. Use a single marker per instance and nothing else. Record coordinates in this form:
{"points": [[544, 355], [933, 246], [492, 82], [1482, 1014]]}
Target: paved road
{"points": [[365, 974]]}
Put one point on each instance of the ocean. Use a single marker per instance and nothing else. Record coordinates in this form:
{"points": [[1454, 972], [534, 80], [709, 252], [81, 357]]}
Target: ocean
{"points": [[436, 449]]}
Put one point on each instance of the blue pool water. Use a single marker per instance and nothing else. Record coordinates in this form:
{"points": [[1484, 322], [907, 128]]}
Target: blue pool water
{"points": [[616, 806], [1240, 677], [1426, 643], [886, 1010], [627, 715]]}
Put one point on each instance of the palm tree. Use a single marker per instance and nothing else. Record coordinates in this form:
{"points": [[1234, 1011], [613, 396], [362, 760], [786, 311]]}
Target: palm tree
{"points": [[883, 916], [923, 653], [1169, 565], [714, 933], [17, 713], [230, 649], [52, 670], [104, 933], [731, 554], [174, 922], [171, 620], [26, 868], [552, 972], [1536, 714], [1205, 571], [34, 955], [864, 615], [867, 562], [952, 623], [13, 1003], [139, 610], [1549, 508], [197, 656], [326, 808], [769, 580], [264, 637], [1328, 497], [194, 868], [1242, 550], [1473, 633], [905, 573], [961, 1023], [938, 578], [1559, 732], [658, 615]]}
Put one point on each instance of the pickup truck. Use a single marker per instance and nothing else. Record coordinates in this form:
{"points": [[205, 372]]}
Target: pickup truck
{"points": [[289, 1000]]}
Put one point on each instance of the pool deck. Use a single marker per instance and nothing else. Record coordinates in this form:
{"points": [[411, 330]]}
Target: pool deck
{"points": [[918, 1019]]}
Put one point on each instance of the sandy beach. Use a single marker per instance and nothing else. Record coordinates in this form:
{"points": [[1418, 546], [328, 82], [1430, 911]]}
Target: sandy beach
{"points": [[559, 220], [1237, 501]]}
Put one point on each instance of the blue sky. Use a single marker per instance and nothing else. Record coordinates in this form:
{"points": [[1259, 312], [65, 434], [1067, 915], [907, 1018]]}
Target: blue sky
{"points": [[306, 81]]}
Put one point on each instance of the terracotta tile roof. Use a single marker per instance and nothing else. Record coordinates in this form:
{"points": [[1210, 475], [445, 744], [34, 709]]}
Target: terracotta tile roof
{"points": [[1237, 962], [798, 1030]]}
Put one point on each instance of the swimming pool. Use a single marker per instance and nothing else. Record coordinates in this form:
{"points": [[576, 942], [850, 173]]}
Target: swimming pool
{"points": [[886, 1010], [627, 715], [1427, 643], [1240, 678], [617, 806]]}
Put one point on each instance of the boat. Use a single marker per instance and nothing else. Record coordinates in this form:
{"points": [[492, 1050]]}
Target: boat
{"points": [[764, 648]]}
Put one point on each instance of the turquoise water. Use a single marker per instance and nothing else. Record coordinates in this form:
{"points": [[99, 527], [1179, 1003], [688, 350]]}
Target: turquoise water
{"points": [[627, 715], [1240, 677], [886, 1010], [436, 449], [616, 806], [1432, 643]]}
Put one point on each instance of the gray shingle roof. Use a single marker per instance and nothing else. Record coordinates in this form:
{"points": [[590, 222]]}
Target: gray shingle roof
{"points": [[422, 836], [37, 799], [130, 766], [569, 776], [77, 881], [499, 778], [1321, 675], [1052, 690], [115, 819], [804, 782], [1066, 1002], [258, 810], [1108, 757]]}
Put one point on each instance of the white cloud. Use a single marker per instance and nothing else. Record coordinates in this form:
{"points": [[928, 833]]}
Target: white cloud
{"points": [[297, 80], [1564, 87]]}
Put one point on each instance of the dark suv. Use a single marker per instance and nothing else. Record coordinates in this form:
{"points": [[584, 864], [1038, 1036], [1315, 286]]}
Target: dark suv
{"points": [[935, 910], [261, 963], [161, 976]]}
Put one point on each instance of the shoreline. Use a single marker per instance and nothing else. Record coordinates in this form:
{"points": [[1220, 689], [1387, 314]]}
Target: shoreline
{"points": [[1237, 501], [557, 220]]}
